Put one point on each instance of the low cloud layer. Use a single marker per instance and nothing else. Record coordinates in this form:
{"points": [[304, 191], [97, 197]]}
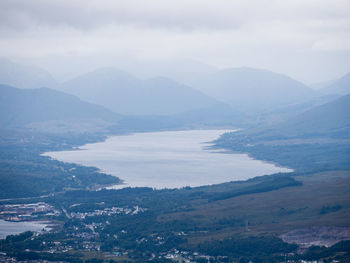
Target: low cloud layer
{"points": [[309, 40]]}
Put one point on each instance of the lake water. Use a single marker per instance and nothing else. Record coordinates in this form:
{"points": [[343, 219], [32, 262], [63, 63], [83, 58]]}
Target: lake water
{"points": [[14, 228], [169, 159]]}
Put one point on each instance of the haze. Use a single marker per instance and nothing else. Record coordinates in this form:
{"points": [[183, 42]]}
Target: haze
{"points": [[175, 131], [149, 38]]}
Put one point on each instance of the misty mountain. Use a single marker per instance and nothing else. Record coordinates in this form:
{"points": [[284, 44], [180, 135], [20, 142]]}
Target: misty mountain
{"points": [[182, 70], [50, 110], [316, 139], [125, 94], [331, 120], [340, 86], [287, 112], [23, 76], [321, 85], [254, 90]]}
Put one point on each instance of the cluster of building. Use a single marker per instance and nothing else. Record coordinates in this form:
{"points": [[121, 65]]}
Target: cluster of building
{"points": [[185, 256], [4, 258], [192, 257], [57, 247], [26, 212], [108, 212]]}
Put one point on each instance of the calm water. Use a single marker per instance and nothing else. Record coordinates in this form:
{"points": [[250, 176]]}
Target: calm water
{"points": [[13, 228], [167, 159]]}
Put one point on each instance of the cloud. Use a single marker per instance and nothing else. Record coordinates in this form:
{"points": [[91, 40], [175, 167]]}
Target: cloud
{"points": [[220, 32], [87, 15], [180, 14]]}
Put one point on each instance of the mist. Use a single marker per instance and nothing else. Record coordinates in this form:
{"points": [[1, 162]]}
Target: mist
{"points": [[174, 131], [148, 39]]}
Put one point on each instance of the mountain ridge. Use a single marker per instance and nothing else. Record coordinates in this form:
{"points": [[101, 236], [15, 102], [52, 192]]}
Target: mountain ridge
{"points": [[259, 90], [47, 107], [129, 95]]}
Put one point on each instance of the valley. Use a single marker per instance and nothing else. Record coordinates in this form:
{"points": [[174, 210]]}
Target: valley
{"points": [[195, 188]]}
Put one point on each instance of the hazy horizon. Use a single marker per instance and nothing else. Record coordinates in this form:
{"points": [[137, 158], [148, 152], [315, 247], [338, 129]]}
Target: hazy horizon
{"points": [[307, 41]]}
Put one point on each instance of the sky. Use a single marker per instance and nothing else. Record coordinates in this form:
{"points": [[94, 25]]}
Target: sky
{"points": [[307, 40]]}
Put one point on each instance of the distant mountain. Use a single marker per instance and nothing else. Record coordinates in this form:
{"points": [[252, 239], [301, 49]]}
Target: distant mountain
{"points": [[318, 138], [50, 110], [340, 86], [283, 113], [182, 70], [321, 85], [128, 95], [254, 90], [330, 120], [22, 76]]}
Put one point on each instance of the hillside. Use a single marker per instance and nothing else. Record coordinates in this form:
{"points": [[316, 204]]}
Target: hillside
{"points": [[340, 86], [315, 139], [327, 120], [128, 95], [254, 90], [50, 110], [23, 76]]}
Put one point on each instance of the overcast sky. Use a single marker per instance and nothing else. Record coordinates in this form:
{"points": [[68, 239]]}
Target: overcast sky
{"points": [[306, 39]]}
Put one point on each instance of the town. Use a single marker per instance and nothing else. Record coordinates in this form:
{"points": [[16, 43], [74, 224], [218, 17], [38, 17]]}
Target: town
{"points": [[27, 212]]}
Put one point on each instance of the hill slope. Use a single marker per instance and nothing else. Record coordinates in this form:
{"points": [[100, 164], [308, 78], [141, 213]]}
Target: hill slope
{"points": [[22, 76], [37, 108], [316, 139], [340, 86], [330, 118]]}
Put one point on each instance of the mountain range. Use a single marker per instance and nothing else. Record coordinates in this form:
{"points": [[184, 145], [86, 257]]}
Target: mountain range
{"points": [[126, 94], [236, 96], [330, 120], [254, 90]]}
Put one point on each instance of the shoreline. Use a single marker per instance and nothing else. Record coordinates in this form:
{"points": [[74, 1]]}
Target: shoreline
{"points": [[206, 146]]}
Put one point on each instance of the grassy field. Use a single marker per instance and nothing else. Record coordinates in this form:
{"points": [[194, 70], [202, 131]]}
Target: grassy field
{"points": [[323, 199]]}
